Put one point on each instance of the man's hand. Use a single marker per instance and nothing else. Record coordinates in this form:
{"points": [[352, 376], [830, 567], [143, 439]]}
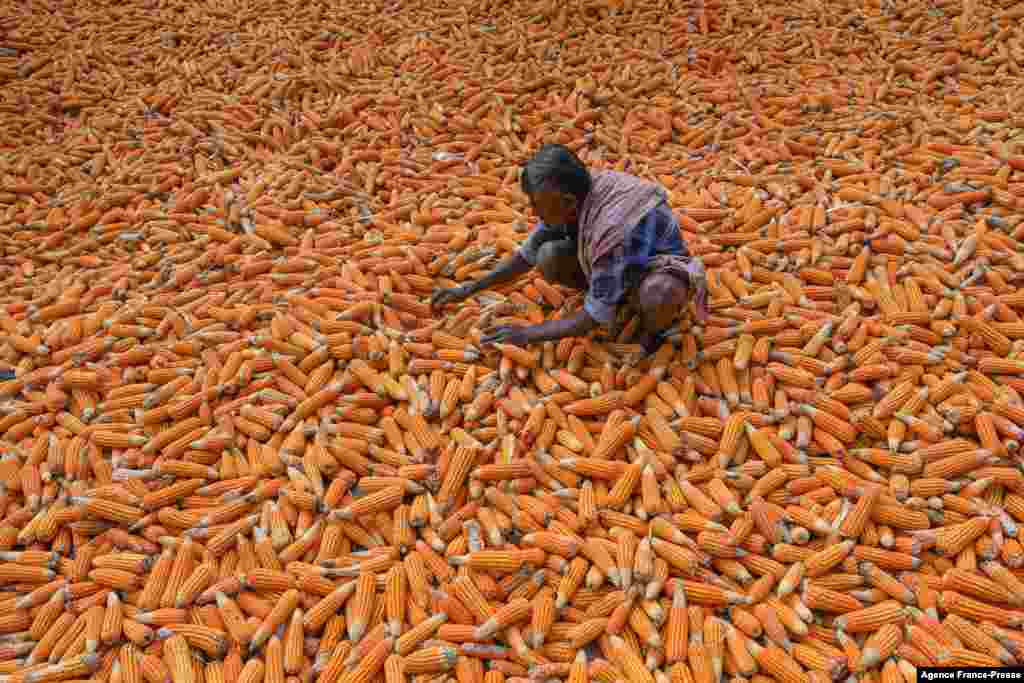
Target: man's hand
{"points": [[450, 296], [578, 325], [508, 334], [506, 271]]}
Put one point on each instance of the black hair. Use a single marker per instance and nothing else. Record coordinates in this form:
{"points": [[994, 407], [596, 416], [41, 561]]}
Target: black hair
{"points": [[555, 167]]}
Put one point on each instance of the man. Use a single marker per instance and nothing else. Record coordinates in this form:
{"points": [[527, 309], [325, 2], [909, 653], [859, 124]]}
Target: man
{"points": [[610, 234]]}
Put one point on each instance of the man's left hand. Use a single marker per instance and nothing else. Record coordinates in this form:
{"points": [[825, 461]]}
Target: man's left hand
{"points": [[508, 334]]}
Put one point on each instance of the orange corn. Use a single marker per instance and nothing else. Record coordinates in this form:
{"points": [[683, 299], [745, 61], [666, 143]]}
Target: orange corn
{"points": [[241, 443]]}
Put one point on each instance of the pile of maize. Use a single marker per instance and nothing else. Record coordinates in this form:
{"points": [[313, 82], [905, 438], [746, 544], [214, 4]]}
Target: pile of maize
{"points": [[240, 446]]}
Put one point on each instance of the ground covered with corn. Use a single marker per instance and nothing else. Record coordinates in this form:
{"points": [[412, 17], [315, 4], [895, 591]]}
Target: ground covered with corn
{"points": [[240, 446]]}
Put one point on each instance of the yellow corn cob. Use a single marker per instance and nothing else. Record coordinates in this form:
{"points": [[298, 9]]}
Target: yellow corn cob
{"points": [[869, 619], [991, 365], [827, 558], [430, 660], [600, 405]]}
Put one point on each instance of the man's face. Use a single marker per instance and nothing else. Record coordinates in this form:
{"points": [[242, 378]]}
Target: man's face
{"points": [[554, 207]]}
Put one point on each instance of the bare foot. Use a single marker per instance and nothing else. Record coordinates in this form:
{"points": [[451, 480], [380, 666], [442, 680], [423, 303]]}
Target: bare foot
{"points": [[650, 342]]}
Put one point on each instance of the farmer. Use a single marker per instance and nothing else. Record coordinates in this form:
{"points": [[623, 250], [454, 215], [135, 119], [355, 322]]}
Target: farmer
{"points": [[607, 233]]}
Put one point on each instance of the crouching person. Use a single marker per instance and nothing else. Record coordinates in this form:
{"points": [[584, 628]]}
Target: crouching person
{"points": [[609, 234]]}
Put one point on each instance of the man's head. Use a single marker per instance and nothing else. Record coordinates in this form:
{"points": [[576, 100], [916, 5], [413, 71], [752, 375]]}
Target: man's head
{"points": [[557, 182]]}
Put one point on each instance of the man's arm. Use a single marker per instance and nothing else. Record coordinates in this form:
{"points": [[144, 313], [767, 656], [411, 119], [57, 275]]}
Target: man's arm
{"points": [[506, 271], [578, 325]]}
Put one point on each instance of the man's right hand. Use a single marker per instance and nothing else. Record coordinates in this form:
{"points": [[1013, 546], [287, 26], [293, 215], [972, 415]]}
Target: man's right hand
{"points": [[451, 296]]}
